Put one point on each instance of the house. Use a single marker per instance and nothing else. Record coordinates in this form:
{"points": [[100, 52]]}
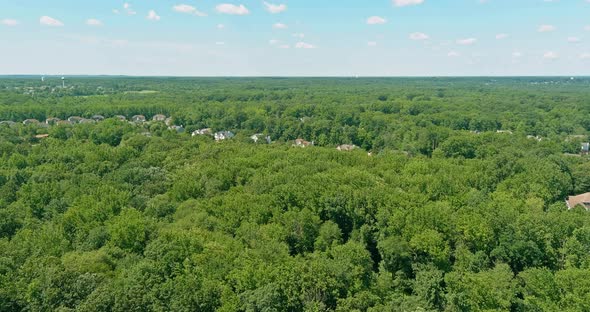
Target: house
{"points": [[41, 136], [87, 121], [504, 131], [302, 143], [75, 119], [346, 147], [121, 117], [582, 200], [63, 122], [575, 137], [532, 137], [52, 121], [206, 131], [223, 135], [585, 148], [31, 122], [258, 136], [138, 118], [97, 117], [168, 121], [159, 117], [8, 123], [178, 129]]}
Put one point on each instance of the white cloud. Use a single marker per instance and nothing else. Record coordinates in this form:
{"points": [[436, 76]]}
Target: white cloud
{"points": [[93, 22], [299, 35], [128, 9], [546, 28], [304, 45], [550, 55], [516, 54], [116, 11], [219, 43], [232, 9], [453, 54], [402, 3], [50, 21], [187, 9], [587, 28], [372, 43], [419, 36], [9, 22], [585, 56], [279, 26], [467, 41], [275, 8], [501, 36], [220, 26], [273, 41], [376, 20], [153, 16], [284, 46], [573, 40]]}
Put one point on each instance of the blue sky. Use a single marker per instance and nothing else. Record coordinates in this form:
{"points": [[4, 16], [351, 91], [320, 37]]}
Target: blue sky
{"points": [[295, 37]]}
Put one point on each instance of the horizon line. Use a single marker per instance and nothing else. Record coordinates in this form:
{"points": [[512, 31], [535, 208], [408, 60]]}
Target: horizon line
{"points": [[291, 76]]}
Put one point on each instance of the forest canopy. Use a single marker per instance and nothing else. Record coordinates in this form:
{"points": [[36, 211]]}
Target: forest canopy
{"points": [[445, 194]]}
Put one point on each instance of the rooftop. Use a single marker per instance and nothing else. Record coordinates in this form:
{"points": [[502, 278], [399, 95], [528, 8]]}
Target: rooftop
{"points": [[583, 200]]}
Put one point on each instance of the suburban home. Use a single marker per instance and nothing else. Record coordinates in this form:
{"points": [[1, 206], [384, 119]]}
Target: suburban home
{"points": [[97, 117], [159, 117], [168, 121], [582, 200], [575, 137], [75, 119], [87, 121], [41, 136], [121, 117], [178, 129], [31, 122], [302, 143], [138, 118], [8, 122], [346, 147], [206, 131], [585, 148], [532, 137], [504, 131], [52, 121], [258, 136], [223, 135]]}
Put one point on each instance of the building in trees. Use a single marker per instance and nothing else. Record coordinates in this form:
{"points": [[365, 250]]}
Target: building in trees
{"points": [[303, 143], [224, 135], [583, 200], [346, 147]]}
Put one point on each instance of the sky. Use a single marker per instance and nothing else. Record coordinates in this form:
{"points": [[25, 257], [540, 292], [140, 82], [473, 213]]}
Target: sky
{"points": [[295, 37]]}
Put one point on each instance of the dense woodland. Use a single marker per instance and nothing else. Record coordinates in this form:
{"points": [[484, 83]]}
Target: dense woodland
{"points": [[444, 214]]}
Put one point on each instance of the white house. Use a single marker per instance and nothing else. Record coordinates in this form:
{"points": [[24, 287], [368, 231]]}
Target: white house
{"points": [[206, 131], [223, 135]]}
